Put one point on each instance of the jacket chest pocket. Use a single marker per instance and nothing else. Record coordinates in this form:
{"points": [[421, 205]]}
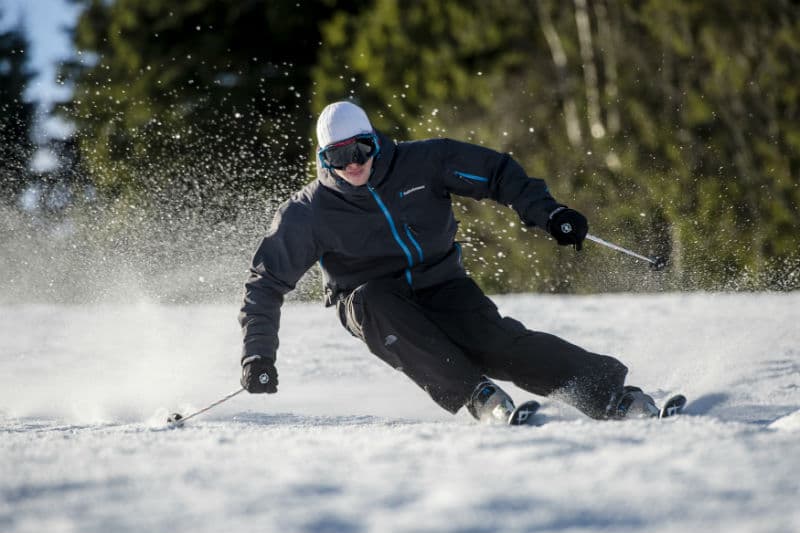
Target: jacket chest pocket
{"points": [[421, 210], [427, 223]]}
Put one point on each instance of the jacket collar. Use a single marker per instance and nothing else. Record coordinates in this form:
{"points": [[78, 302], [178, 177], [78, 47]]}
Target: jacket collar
{"points": [[380, 169]]}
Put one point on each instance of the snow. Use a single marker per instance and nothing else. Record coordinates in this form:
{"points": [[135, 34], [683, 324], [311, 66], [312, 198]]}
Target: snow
{"points": [[350, 445]]}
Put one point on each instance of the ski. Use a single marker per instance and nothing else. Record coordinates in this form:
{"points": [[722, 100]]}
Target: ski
{"points": [[523, 415], [673, 406]]}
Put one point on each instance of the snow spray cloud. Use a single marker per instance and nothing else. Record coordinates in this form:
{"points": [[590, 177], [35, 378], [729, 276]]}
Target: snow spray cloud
{"points": [[108, 362], [179, 228], [90, 289]]}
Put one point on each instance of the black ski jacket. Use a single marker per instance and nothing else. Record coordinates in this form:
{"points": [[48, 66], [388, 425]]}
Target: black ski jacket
{"points": [[399, 225]]}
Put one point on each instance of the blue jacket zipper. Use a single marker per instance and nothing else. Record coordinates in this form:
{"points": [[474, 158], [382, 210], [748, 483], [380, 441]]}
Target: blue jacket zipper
{"points": [[414, 242], [395, 233], [471, 177]]}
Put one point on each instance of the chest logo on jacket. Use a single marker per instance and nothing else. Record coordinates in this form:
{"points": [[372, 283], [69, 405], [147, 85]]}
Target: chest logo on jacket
{"points": [[411, 191]]}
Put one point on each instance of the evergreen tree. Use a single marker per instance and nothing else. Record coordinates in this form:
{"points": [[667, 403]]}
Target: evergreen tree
{"points": [[16, 115], [195, 103]]}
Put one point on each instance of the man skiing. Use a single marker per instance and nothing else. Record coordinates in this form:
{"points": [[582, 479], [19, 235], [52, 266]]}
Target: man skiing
{"points": [[379, 220]]}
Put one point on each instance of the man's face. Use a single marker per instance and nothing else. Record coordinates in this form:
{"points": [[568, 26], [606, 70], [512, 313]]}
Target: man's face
{"points": [[355, 174], [352, 158]]}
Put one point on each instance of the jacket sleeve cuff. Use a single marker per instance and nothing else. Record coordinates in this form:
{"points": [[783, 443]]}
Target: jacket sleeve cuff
{"points": [[251, 353]]}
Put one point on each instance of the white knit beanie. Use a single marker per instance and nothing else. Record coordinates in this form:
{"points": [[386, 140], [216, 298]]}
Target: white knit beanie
{"points": [[339, 121]]}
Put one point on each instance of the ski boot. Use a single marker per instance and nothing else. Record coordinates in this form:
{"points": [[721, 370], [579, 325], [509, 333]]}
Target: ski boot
{"points": [[631, 402], [490, 404]]}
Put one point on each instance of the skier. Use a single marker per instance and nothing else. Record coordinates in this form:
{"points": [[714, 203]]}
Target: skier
{"points": [[379, 220]]}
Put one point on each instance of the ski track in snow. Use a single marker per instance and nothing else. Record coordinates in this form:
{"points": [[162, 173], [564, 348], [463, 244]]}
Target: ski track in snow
{"points": [[350, 445]]}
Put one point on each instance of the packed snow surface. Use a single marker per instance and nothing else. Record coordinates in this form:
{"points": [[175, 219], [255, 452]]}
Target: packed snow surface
{"points": [[350, 445]]}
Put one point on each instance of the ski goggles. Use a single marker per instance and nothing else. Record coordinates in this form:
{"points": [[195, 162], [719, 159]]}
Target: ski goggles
{"points": [[356, 149]]}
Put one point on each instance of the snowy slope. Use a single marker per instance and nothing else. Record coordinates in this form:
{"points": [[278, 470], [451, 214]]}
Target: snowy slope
{"points": [[350, 445]]}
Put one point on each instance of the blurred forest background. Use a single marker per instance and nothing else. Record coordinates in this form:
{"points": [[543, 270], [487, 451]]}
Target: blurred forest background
{"points": [[673, 125]]}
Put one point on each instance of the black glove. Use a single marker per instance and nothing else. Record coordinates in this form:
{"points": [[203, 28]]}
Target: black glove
{"points": [[567, 226], [259, 374]]}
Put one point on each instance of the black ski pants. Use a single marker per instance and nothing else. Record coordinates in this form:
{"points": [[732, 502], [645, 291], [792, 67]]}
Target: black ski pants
{"points": [[446, 338]]}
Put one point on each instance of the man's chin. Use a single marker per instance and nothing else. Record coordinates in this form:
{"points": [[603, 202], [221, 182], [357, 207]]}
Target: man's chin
{"points": [[357, 180]]}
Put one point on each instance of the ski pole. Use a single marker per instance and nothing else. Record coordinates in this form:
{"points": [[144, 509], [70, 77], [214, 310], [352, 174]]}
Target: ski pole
{"points": [[657, 263], [177, 420]]}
